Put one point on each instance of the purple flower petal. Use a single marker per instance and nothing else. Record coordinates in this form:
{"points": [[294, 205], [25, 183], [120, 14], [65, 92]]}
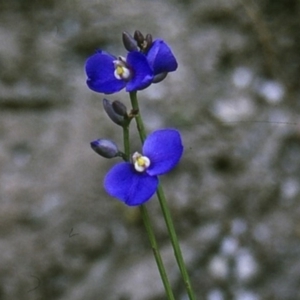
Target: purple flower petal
{"points": [[129, 186], [161, 58], [142, 72], [100, 72], [164, 149]]}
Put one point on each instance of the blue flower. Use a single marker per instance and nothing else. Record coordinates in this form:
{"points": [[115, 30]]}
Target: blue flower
{"points": [[108, 74], [147, 62], [134, 183], [161, 58]]}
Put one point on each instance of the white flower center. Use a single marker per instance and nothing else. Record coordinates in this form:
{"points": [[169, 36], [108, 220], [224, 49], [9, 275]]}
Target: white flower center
{"points": [[141, 163], [121, 69]]}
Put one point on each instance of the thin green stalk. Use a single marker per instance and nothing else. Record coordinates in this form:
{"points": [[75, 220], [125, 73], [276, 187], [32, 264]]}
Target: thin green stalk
{"points": [[138, 118], [174, 240], [156, 253], [149, 229], [165, 208]]}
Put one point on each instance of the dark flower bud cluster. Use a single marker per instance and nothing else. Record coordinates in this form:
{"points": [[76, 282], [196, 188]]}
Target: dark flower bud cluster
{"points": [[144, 43], [116, 111], [138, 42]]}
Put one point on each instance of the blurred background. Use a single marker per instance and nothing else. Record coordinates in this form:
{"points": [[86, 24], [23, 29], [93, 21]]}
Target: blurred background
{"points": [[234, 196]]}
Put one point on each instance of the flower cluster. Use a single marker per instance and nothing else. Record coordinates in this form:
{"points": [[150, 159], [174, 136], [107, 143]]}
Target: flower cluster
{"points": [[146, 62], [135, 180]]}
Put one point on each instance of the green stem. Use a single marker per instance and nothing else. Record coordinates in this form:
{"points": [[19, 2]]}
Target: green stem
{"points": [[156, 253], [165, 208], [149, 229], [138, 118], [174, 240]]}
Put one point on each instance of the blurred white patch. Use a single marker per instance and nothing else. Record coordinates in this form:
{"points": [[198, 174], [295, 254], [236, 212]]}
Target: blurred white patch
{"points": [[242, 77], [232, 110], [246, 265], [218, 267], [271, 91], [238, 226], [246, 295], [229, 245], [215, 295], [290, 188], [262, 232]]}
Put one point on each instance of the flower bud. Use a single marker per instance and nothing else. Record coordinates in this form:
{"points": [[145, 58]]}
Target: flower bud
{"points": [[116, 111], [105, 148], [148, 42], [119, 108], [138, 36], [129, 42]]}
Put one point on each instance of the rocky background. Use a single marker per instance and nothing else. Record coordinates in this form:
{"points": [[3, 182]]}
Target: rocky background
{"points": [[235, 195]]}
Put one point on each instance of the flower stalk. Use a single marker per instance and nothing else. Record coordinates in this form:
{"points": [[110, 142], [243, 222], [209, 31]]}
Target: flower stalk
{"points": [[149, 229], [138, 118], [136, 180], [164, 207]]}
